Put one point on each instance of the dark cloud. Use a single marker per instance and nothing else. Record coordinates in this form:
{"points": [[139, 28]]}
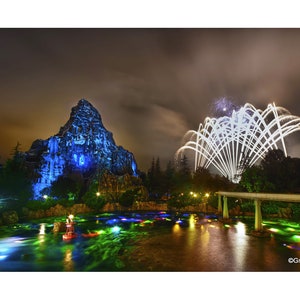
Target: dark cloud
{"points": [[149, 85]]}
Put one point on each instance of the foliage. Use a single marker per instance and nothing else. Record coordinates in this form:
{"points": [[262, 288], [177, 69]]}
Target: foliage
{"points": [[110, 250], [15, 184], [94, 202], [246, 205], [276, 173], [47, 203], [128, 198], [65, 188], [254, 180], [112, 186], [92, 198], [174, 179]]}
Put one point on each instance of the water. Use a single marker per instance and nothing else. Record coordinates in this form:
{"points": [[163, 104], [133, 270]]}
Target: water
{"points": [[150, 241]]}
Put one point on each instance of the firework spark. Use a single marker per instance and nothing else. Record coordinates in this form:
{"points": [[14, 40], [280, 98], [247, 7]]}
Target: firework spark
{"points": [[232, 143]]}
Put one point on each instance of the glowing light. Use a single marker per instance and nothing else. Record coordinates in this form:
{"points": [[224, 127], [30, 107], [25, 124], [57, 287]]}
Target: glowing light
{"points": [[42, 228], [68, 261], [229, 143], [296, 238], [81, 160], [192, 221], [206, 195], [176, 228], [45, 197], [71, 217], [98, 194], [290, 229], [240, 228], [147, 222], [116, 229], [134, 168], [274, 229]]}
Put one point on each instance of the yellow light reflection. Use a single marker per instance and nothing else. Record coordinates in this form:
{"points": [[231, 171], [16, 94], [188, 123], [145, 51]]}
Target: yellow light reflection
{"points": [[192, 221], [176, 228], [241, 247], [68, 262], [41, 239]]}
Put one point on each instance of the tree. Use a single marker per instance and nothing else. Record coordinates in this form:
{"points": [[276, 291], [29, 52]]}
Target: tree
{"points": [[276, 173], [278, 170], [65, 188], [14, 178], [169, 178], [254, 180], [154, 181], [183, 175], [202, 180], [112, 186], [93, 198]]}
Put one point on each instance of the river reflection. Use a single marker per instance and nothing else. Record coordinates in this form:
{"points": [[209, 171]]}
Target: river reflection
{"points": [[153, 241]]}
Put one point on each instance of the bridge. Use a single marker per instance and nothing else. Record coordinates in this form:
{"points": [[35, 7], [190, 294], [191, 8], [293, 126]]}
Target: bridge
{"points": [[257, 198]]}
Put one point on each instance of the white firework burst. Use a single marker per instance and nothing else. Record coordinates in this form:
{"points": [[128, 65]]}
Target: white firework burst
{"points": [[230, 143]]}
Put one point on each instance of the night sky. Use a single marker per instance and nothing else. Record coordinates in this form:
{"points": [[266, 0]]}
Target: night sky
{"points": [[149, 85]]}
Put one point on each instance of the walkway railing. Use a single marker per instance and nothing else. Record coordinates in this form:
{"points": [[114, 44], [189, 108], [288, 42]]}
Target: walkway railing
{"points": [[257, 198]]}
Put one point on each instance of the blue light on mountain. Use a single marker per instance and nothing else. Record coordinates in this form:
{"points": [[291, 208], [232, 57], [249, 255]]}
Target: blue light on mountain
{"points": [[81, 160], [81, 145]]}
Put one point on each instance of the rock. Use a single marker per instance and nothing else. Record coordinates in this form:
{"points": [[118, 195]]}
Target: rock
{"points": [[236, 211], [285, 212], [59, 227], [82, 146], [10, 217]]}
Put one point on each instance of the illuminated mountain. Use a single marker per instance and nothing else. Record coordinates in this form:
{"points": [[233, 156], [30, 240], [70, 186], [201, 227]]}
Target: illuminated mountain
{"points": [[82, 145]]}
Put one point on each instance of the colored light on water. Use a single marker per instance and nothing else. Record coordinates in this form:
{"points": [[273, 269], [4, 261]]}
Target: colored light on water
{"points": [[296, 238], [148, 221], [291, 229], [2, 257], [3, 250], [42, 228], [116, 229], [176, 228], [192, 221]]}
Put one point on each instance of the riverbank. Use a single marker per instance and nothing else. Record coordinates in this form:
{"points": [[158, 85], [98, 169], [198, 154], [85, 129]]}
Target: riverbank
{"points": [[58, 210]]}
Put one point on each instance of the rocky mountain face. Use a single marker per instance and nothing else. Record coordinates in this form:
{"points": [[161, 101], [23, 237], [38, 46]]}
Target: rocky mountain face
{"points": [[82, 145]]}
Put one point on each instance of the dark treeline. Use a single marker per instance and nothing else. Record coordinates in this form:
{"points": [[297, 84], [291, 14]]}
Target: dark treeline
{"points": [[15, 179], [176, 184], [275, 174], [181, 186]]}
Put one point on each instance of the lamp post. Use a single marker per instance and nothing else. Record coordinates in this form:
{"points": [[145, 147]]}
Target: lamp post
{"points": [[206, 196]]}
